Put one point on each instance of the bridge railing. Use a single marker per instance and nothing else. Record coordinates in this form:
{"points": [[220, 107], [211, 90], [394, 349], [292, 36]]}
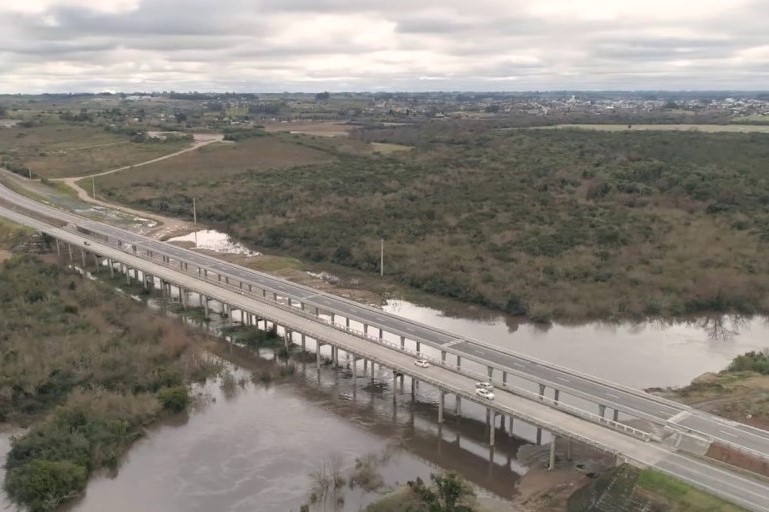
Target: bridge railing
{"points": [[557, 404]]}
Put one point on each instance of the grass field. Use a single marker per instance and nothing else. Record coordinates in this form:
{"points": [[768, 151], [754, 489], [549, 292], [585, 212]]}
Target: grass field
{"points": [[57, 151], [708, 128], [209, 164], [680, 497]]}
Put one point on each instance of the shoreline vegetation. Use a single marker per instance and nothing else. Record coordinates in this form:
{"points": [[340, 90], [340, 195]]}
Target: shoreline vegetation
{"points": [[85, 369], [555, 225]]}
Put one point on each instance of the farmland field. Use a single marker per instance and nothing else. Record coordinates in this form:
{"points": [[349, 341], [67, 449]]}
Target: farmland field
{"points": [[57, 151]]}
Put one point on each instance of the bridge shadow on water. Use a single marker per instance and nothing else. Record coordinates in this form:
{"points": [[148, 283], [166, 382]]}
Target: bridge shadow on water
{"points": [[459, 444]]}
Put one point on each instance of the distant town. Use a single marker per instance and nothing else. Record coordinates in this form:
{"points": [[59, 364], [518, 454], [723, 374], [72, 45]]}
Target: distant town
{"points": [[215, 110]]}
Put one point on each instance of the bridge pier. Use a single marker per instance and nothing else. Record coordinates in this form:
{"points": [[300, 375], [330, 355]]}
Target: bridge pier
{"points": [[556, 395], [458, 406], [441, 404], [365, 329], [58, 251], [372, 372], [347, 323], [491, 372], [493, 429], [303, 346], [111, 268], [82, 255], [418, 345], [127, 274], [512, 418], [459, 362], [539, 436], [443, 357], [504, 379], [616, 415], [317, 354], [541, 391], [601, 410], [381, 334], [488, 417], [413, 388], [69, 248], [551, 465], [205, 304], [403, 343]]}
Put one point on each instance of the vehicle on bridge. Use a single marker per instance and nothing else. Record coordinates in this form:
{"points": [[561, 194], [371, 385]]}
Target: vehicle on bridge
{"points": [[422, 363], [488, 386], [484, 393]]}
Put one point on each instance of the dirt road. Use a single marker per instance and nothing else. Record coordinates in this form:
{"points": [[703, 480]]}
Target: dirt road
{"points": [[167, 226]]}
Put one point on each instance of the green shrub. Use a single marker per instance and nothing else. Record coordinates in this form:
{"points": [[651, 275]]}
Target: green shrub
{"points": [[174, 399], [43, 484]]}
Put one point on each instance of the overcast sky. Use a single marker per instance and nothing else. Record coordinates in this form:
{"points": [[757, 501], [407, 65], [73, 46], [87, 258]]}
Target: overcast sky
{"points": [[424, 45]]}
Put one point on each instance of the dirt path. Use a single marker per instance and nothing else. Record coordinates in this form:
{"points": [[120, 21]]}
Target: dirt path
{"points": [[166, 225]]}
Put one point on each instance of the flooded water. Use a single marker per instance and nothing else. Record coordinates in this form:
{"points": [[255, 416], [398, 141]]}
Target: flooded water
{"points": [[215, 241], [256, 447]]}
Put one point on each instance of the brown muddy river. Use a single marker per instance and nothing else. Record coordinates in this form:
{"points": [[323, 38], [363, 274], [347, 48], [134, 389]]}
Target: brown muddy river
{"points": [[255, 448]]}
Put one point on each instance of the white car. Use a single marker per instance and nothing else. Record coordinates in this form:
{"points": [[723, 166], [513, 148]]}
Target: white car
{"points": [[484, 385], [484, 393], [422, 363]]}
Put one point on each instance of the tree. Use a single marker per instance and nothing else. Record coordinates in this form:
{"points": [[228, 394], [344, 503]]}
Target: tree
{"points": [[448, 493], [43, 485], [3, 111], [322, 96]]}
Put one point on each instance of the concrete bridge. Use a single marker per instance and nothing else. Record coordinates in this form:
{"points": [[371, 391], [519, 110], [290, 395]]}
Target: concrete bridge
{"points": [[564, 402]]}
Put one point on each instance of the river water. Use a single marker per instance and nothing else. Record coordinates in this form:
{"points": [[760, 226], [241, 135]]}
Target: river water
{"points": [[255, 448]]}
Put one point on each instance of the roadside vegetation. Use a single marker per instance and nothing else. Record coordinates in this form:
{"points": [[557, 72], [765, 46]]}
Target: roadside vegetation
{"points": [[553, 224], [86, 369], [628, 489]]}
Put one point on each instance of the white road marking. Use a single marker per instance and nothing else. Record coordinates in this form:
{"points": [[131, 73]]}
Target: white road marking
{"points": [[728, 433], [562, 379]]}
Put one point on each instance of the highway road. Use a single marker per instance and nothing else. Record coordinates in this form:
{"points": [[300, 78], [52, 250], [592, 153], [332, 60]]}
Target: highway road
{"points": [[633, 402], [732, 486]]}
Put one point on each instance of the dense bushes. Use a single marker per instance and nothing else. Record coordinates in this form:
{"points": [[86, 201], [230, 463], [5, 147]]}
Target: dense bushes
{"points": [[104, 363], [573, 222]]}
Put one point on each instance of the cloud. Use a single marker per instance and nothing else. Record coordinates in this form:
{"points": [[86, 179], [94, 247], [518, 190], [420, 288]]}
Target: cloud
{"points": [[265, 45]]}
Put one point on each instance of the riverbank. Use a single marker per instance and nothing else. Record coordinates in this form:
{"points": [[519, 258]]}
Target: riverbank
{"points": [[85, 369]]}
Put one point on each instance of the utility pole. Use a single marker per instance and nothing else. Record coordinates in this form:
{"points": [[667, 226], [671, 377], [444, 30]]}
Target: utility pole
{"points": [[381, 257], [30, 172], [93, 188]]}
